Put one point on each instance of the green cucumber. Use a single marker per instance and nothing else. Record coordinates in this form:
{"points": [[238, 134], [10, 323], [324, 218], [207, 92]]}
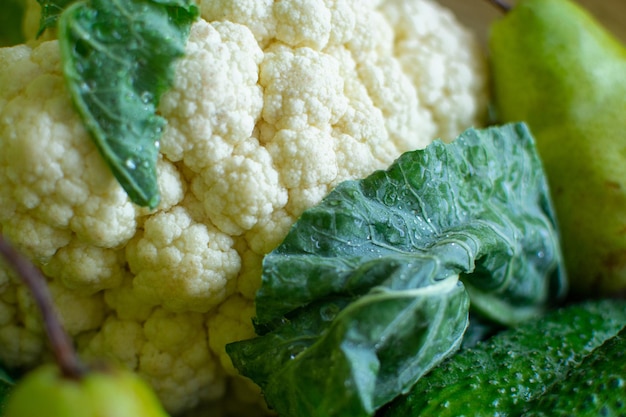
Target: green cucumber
{"points": [[499, 376], [595, 388]]}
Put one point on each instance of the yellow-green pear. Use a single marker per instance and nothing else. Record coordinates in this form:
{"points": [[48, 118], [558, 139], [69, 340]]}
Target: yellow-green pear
{"points": [[556, 68], [45, 392]]}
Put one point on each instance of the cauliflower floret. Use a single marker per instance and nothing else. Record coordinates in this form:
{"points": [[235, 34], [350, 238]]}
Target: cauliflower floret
{"points": [[443, 81], [169, 349], [43, 140], [180, 264], [274, 104]]}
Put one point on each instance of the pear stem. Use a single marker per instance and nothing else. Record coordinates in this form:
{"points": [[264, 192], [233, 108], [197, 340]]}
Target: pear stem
{"points": [[502, 5], [64, 352]]}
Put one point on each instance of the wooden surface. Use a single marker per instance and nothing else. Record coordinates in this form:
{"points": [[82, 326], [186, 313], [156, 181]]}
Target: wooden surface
{"points": [[477, 14]]}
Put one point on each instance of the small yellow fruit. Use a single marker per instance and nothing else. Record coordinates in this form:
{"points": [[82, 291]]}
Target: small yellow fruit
{"points": [[556, 68], [45, 392]]}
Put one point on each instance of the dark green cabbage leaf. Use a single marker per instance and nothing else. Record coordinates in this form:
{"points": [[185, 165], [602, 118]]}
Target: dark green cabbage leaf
{"points": [[118, 59], [372, 288], [50, 12]]}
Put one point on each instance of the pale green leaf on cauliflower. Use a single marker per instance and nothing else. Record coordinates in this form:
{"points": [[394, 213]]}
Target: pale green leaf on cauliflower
{"points": [[274, 104]]}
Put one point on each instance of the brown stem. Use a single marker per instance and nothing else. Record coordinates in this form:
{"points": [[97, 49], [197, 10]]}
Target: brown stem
{"points": [[501, 4], [64, 351]]}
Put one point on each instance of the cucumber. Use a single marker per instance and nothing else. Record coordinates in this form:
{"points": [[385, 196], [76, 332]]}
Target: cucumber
{"points": [[499, 376], [595, 388]]}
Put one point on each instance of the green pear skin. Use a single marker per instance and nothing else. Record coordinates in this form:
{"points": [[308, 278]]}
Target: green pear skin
{"points": [[44, 392], [556, 68]]}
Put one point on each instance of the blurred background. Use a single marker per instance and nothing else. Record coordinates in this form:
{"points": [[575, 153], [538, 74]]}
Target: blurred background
{"points": [[478, 13]]}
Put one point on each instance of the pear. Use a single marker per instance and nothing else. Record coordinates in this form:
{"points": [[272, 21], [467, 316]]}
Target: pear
{"points": [[46, 392], [556, 68]]}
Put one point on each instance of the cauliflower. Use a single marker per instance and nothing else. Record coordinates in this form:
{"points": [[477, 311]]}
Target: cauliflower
{"points": [[274, 104]]}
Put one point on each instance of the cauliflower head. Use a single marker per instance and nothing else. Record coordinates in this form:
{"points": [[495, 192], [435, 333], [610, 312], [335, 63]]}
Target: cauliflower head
{"points": [[274, 104]]}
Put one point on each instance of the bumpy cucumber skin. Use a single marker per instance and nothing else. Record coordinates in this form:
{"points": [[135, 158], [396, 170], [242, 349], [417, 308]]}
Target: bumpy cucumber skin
{"points": [[499, 376], [596, 388]]}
